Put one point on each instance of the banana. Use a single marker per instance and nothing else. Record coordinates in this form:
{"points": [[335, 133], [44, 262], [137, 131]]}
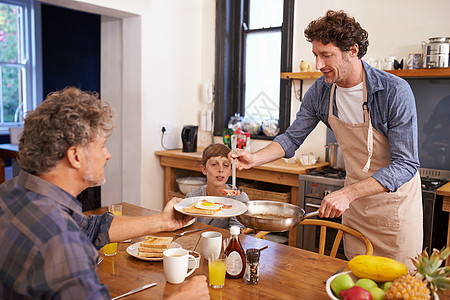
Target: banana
{"points": [[377, 268]]}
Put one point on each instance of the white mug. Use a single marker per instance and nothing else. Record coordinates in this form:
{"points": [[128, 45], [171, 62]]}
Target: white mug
{"points": [[211, 243], [175, 262]]}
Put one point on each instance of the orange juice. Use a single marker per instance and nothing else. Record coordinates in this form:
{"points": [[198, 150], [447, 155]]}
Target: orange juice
{"points": [[217, 269], [111, 248]]}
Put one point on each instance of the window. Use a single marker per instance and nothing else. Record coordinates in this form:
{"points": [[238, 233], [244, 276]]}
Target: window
{"points": [[16, 62], [253, 46]]}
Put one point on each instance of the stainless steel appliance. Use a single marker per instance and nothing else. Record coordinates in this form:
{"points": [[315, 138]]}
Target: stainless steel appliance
{"points": [[315, 185], [435, 221], [436, 52], [312, 188]]}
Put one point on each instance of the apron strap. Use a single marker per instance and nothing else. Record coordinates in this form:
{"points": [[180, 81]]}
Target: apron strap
{"points": [[369, 138], [370, 127]]}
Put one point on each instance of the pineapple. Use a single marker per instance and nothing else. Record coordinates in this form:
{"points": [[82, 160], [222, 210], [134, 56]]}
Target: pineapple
{"points": [[428, 278], [408, 287]]}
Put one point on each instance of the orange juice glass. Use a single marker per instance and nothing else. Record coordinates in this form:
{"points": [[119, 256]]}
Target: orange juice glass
{"points": [[111, 248], [217, 268]]}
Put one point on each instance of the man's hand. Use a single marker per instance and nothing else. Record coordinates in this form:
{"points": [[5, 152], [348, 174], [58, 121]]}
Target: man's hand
{"points": [[244, 159], [195, 289], [334, 204], [171, 219]]}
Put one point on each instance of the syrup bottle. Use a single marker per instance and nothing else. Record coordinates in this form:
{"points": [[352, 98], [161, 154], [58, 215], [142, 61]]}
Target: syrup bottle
{"points": [[235, 257]]}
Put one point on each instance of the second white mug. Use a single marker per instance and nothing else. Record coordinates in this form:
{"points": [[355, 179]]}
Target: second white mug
{"points": [[211, 243], [175, 263]]}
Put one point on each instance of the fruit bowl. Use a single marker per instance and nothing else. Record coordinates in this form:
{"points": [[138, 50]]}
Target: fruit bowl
{"points": [[330, 291], [328, 285]]}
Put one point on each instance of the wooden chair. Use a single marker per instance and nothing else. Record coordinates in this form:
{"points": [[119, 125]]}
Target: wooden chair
{"points": [[258, 234], [337, 240]]}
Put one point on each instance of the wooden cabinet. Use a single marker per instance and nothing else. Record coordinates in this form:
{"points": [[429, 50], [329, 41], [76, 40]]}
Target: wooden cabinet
{"points": [[278, 172]]}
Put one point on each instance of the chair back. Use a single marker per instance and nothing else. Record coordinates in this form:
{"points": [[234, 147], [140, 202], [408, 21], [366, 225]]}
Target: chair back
{"points": [[324, 224]]}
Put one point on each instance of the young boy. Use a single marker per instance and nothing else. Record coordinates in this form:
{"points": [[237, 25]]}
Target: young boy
{"points": [[217, 168]]}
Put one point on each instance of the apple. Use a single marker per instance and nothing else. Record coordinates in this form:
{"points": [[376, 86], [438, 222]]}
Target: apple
{"points": [[366, 283], [386, 285], [355, 293], [341, 282], [377, 293]]}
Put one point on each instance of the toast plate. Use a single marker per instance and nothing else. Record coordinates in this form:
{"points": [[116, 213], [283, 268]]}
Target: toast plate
{"points": [[238, 208], [133, 251]]}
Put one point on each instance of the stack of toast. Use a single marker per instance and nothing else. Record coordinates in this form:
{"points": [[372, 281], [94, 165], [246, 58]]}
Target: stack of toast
{"points": [[154, 246]]}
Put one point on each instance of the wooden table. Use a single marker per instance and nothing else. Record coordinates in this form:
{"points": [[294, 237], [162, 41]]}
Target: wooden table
{"points": [[285, 272], [445, 192], [278, 172], [6, 151]]}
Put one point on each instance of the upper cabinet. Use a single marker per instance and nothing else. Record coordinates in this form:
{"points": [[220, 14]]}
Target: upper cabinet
{"points": [[419, 73]]}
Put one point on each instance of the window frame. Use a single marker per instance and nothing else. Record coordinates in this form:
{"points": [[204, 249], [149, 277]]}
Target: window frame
{"points": [[29, 62], [229, 63]]}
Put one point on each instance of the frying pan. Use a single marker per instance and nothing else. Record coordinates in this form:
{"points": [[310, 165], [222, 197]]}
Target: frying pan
{"points": [[273, 215]]}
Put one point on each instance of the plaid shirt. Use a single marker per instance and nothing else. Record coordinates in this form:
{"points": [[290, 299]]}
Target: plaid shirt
{"points": [[48, 246]]}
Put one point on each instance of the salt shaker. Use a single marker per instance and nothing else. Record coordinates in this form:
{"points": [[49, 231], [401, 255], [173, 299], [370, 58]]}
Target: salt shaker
{"points": [[252, 267]]}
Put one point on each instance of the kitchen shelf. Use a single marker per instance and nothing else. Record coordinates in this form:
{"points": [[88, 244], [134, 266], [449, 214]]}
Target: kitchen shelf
{"points": [[419, 73], [407, 74], [422, 73], [301, 75]]}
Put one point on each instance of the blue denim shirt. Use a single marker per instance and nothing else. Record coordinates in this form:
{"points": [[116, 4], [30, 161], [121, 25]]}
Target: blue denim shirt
{"points": [[393, 113]]}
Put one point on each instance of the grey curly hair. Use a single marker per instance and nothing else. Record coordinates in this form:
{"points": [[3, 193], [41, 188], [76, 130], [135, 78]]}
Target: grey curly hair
{"points": [[66, 118]]}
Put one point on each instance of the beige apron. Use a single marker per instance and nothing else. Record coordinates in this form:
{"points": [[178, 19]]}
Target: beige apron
{"points": [[391, 221]]}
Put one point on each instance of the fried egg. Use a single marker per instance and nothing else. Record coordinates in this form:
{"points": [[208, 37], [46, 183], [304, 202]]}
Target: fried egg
{"points": [[207, 205]]}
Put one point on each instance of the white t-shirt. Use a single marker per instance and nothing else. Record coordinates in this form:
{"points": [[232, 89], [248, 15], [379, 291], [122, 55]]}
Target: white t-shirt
{"points": [[349, 103]]}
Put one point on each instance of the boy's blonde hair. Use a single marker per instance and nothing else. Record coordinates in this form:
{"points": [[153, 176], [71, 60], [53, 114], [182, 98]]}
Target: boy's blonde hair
{"points": [[213, 150]]}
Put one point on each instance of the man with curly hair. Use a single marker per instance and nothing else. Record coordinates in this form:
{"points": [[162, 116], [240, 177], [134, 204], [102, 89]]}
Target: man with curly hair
{"points": [[373, 116], [49, 247]]}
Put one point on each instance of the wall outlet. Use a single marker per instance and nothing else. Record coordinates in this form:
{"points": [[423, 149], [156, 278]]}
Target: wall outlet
{"points": [[166, 126]]}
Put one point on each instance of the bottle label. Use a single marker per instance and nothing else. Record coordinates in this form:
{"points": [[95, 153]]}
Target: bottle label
{"points": [[234, 263], [247, 273]]}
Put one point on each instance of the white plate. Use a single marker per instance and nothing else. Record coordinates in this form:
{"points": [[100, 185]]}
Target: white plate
{"points": [[189, 223], [133, 251], [238, 208]]}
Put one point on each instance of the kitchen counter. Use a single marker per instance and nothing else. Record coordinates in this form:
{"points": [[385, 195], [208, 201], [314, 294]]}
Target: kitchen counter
{"points": [[445, 192], [278, 172]]}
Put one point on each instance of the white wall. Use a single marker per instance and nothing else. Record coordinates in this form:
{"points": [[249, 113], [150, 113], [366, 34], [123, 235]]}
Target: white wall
{"points": [[177, 53]]}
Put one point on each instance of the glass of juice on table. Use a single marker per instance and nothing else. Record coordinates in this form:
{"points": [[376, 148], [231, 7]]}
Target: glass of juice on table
{"points": [[111, 248], [217, 269]]}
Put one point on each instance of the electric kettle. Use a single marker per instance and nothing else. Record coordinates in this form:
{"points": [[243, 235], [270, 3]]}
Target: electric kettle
{"points": [[189, 138]]}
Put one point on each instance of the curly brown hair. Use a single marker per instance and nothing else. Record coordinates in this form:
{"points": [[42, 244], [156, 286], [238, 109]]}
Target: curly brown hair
{"points": [[214, 150], [338, 28], [66, 118]]}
